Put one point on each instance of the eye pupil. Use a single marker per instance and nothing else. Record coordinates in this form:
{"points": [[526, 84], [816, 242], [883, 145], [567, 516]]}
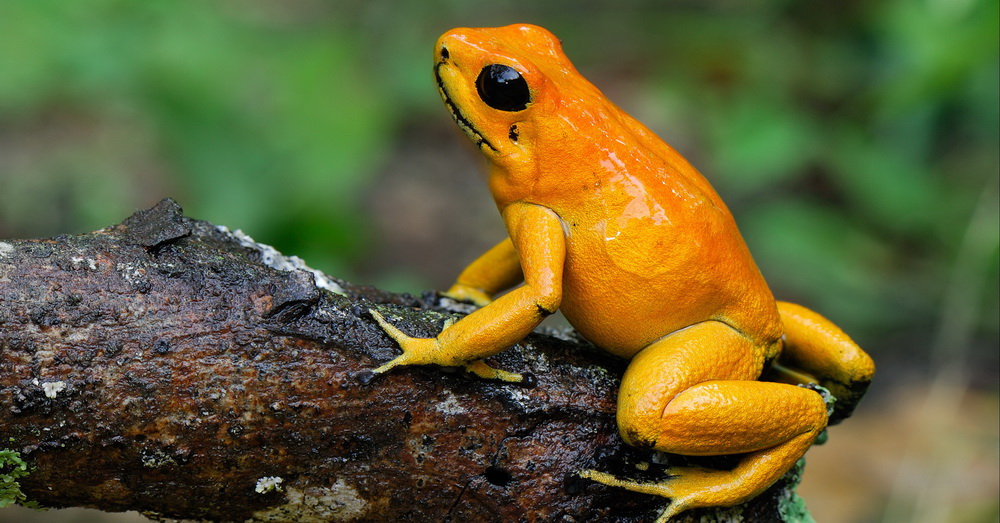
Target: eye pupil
{"points": [[503, 88]]}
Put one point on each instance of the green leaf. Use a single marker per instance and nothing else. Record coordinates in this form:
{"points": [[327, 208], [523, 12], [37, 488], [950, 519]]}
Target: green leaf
{"points": [[12, 468], [759, 142]]}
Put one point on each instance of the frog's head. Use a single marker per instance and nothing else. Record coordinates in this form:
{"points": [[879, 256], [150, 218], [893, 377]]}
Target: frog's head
{"points": [[514, 93]]}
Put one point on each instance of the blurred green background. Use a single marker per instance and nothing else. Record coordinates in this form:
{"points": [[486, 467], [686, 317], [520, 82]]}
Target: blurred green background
{"points": [[856, 143]]}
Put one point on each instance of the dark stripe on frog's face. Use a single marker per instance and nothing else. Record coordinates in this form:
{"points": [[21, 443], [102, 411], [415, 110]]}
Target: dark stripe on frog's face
{"points": [[460, 119]]}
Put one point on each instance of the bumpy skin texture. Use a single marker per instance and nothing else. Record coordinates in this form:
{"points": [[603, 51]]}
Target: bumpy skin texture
{"points": [[613, 226]]}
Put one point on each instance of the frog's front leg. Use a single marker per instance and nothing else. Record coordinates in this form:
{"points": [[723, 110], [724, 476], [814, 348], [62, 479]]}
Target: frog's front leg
{"points": [[695, 393], [537, 235]]}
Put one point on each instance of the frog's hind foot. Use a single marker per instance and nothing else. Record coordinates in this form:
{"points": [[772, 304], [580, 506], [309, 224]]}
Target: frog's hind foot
{"points": [[697, 487], [662, 489]]}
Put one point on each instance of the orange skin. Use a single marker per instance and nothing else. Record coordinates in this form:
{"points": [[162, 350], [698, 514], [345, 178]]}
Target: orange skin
{"points": [[613, 226]]}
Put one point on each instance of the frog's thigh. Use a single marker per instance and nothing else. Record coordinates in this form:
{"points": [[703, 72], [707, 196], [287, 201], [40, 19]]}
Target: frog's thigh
{"points": [[817, 347], [694, 393]]}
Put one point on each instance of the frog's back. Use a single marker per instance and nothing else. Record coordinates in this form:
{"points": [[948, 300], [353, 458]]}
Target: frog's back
{"points": [[653, 249]]}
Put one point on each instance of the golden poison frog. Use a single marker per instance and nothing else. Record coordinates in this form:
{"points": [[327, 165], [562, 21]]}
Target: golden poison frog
{"points": [[612, 226]]}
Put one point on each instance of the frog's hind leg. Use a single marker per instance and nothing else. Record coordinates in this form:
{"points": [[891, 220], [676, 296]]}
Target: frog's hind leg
{"points": [[816, 350], [694, 393]]}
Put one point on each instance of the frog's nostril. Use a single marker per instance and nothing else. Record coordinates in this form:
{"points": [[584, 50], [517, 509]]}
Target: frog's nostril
{"points": [[444, 53]]}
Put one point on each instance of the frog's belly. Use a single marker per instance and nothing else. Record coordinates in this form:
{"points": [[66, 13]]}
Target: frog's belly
{"points": [[624, 300], [623, 317]]}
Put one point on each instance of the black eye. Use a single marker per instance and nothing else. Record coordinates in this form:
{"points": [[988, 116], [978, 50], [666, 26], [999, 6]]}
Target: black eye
{"points": [[503, 88]]}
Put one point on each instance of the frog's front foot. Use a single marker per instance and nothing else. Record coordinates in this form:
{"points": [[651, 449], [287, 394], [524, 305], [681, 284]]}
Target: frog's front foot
{"points": [[424, 351], [687, 488], [416, 351]]}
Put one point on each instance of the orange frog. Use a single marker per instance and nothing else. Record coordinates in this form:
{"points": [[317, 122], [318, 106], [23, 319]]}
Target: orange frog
{"points": [[611, 225]]}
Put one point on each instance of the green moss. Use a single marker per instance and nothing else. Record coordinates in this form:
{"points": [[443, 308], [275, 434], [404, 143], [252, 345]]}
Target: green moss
{"points": [[792, 507], [12, 467]]}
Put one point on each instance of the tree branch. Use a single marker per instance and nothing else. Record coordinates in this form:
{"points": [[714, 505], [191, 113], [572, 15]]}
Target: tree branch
{"points": [[170, 366]]}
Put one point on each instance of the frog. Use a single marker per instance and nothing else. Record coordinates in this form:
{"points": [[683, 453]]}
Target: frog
{"points": [[610, 225]]}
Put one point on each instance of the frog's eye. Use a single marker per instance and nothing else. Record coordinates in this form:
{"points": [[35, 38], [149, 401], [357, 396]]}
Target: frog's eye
{"points": [[503, 88]]}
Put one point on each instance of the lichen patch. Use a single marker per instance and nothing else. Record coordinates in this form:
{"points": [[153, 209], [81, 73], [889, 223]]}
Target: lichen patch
{"points": [[450, 405], [80, 261], [53, 388], [273, 258], [339, 502], [268, 483]]}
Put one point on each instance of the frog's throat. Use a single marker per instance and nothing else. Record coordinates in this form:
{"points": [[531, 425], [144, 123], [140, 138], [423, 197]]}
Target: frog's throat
{"points": [[463, 123]]}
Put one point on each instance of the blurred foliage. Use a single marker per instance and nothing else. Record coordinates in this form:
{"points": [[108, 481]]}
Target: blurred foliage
{"points": [[853, 140]]}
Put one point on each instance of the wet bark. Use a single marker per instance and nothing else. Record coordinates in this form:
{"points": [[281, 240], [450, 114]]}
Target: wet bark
{"points": [[169, 366]]}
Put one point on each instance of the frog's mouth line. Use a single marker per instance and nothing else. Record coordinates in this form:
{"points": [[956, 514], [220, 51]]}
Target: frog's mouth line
{"points": [[460, 119]]}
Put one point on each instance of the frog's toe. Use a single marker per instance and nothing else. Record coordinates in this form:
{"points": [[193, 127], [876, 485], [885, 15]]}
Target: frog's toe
{"points": [[655, 488], [408, 357], [481, 369], [389, 328], [387, 366], [676, 506]]}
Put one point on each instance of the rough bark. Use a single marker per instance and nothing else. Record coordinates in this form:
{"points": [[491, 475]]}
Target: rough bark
{"points": [[169, 366]]}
